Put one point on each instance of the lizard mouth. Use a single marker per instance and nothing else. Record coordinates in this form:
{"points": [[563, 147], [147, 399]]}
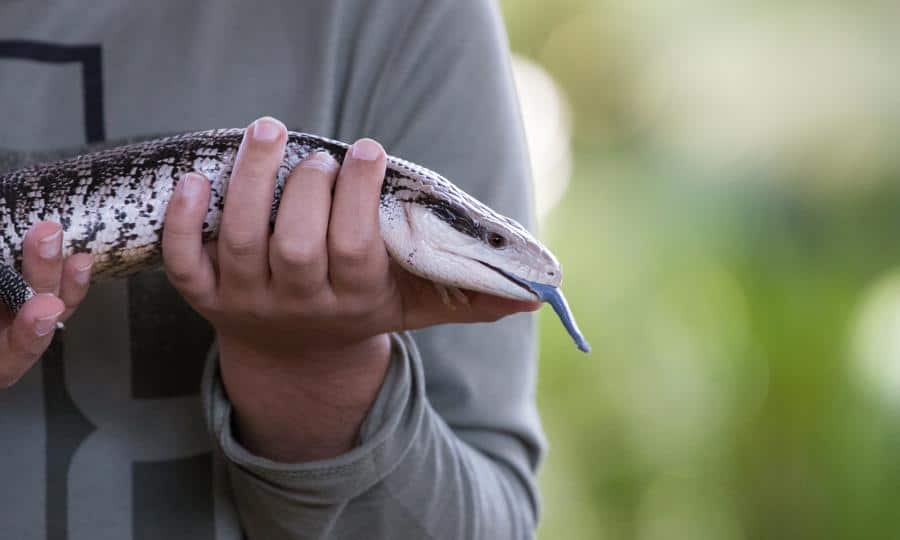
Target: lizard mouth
{"points": [[553, 296], [519, 282]]}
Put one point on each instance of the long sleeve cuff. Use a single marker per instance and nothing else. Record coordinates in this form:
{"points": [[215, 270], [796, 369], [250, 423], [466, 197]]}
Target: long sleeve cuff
{"points": [[385, 437]]}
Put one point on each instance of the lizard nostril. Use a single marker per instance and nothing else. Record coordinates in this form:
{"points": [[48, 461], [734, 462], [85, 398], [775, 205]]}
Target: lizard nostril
{"points": [[551, 273]]}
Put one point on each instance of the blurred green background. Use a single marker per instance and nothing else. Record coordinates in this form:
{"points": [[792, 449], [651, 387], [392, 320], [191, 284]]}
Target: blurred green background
{"points": [[729, 235]]}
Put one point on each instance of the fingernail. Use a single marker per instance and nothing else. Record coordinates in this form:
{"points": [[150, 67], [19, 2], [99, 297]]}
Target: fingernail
{"points": [[48, 247], [321, 161], [191, 184], [83, 273], [267, 129], [44, 325], [366, 150]]}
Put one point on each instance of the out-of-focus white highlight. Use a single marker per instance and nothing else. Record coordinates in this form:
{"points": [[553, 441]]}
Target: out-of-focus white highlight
{"points": [[876, 340], [548, 130]]}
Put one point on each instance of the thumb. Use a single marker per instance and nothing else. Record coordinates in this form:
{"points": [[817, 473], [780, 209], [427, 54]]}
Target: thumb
{"points": [[24, 341]]}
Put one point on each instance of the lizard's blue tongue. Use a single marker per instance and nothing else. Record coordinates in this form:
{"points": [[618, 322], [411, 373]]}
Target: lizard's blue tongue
{"points": [[554, 296]]}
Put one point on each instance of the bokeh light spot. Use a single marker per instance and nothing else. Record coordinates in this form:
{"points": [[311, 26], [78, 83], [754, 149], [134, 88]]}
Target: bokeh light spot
{"points": [[876, 340], [545, 114]]}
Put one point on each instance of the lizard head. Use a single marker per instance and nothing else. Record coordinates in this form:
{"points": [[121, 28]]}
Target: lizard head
{"points": [[437, 231]]}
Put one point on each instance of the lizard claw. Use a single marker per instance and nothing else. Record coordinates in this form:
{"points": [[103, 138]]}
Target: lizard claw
{"points": [[446, 291]]}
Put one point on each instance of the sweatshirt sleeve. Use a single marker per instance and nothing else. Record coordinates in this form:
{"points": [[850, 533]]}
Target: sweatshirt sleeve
{"points": [[450, 447]]}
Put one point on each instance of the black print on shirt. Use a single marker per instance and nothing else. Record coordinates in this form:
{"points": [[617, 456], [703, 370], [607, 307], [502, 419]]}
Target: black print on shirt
{"points": [[89, 56], [171, 496]]}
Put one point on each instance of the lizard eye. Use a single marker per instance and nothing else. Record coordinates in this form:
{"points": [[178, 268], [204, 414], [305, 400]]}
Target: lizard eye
{"points": [[496, 241]]}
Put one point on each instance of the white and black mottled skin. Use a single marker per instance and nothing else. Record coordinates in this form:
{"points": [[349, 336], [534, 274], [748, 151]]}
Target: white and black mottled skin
{"points": [[112, 203]]}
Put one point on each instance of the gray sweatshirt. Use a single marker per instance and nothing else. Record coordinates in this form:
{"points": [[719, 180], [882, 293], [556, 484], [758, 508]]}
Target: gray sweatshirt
{"points": [[123, 430]]}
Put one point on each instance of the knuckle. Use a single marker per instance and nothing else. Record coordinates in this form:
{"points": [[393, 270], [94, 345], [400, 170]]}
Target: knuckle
{"points": [[180, 276], [351, 253], [295, 253], [241, 244]]}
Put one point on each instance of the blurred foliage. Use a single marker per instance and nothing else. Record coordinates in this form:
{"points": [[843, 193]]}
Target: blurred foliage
{"points": [[729, 239]]}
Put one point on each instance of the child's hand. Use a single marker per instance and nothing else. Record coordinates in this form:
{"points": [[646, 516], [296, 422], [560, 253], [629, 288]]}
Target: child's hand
{"points": [[302, 314], [61, 286], [323, 280]]}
